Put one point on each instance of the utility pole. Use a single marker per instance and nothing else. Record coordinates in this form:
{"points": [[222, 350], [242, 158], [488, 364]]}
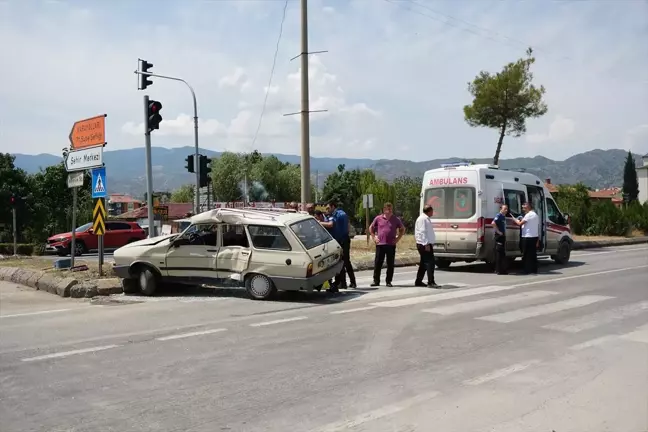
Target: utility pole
{"points": [[15, 230], [149, 170], [316, 186], [305, 121]]}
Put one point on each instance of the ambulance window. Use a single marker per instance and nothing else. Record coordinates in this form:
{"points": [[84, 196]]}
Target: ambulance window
{"points": [[463, 205], [514, 200], [553, 213], [436, 198]]}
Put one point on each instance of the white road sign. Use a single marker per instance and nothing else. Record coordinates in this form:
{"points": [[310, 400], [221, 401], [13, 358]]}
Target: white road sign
{"points": [[75, 179], [367, 201], [87, 158]]}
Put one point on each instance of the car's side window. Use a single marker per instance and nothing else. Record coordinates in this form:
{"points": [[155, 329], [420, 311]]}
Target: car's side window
{"points": [[234, 235], [514, 200], [202, 234], [553, 214], [268, 237]]}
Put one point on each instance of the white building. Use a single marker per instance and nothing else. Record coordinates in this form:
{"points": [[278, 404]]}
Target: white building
{"points": [[642, 177]]}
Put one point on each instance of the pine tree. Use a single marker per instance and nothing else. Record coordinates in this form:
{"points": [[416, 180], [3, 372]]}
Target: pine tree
{"points": [[630, 182]]}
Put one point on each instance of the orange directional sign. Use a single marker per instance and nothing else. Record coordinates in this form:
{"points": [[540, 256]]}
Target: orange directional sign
{"points": [[88, 133]]}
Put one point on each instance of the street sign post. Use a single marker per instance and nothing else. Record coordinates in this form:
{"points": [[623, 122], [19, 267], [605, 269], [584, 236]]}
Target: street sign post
{"points": [[88, 133], [99, 183], [367, 204], [75, 179], [99, 226], [162, 211], [87, 158]]}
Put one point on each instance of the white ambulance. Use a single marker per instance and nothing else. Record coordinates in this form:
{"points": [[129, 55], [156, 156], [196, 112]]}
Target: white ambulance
{"points": [[466, 198]]}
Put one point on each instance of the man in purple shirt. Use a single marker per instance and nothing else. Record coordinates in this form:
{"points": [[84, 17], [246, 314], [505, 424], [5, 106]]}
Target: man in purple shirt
{"points": [[386, 231]]}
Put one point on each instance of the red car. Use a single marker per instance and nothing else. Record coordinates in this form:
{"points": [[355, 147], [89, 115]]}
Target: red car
{"points": [[117, 235]]}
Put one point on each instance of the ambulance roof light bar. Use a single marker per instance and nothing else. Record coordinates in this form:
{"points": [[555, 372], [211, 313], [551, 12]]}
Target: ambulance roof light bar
{"points": [[456, 164]]}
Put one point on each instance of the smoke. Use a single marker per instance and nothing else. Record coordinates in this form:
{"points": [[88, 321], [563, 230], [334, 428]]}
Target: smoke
{"points": [[256, 192]]}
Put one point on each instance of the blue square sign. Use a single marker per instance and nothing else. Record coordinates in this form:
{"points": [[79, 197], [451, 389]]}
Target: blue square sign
{"points": [[99, 183]]}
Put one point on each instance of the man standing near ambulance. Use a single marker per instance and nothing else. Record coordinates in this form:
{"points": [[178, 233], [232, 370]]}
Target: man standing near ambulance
{"points": [[530, 225], [499, 226], [386, 231]]}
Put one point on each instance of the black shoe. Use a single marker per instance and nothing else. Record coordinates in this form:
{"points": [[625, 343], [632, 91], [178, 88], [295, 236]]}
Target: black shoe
{"points": [[389, 284], [501, 273], [333, 290], [375, 284], [419, 284], [433, 285], [342, 286], [353, 285]]}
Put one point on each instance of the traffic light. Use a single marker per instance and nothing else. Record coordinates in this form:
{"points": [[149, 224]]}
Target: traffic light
{"points": [[12, 200], [205, 170], [190, 163], [144, 80], [154, 117]]}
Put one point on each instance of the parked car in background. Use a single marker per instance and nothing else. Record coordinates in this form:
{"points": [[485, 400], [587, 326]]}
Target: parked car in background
{"points": [[118, 234]]}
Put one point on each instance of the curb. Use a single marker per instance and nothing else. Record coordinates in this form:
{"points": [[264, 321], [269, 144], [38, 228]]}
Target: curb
{"points": [[412, 258], [69, 287]]}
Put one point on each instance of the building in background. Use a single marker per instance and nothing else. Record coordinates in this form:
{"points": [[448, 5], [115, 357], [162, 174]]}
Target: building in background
{"points": [[642, 178], [122, 203]]}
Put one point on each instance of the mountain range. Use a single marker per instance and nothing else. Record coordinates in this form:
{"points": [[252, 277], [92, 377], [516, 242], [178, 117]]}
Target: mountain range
{"points": [[126, 168]]}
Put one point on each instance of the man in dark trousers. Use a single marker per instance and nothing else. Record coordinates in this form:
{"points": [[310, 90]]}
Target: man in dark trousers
{"points": [[386, 231], [530, 227], [338, 224], [499, 226], [425, 238]]}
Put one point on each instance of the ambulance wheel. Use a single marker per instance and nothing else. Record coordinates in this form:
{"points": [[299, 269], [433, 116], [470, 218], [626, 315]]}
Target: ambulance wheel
{"points": [[564, 253], [259, 287], [443, 263]]}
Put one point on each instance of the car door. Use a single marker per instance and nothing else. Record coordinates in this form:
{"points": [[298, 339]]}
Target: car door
{"points": [[514, 197], [234, 252], [556, 226], [117, 234], [536, 197], [196, 259]]}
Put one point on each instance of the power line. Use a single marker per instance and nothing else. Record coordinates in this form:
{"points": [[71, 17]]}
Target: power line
{"points": [[274, 63]]}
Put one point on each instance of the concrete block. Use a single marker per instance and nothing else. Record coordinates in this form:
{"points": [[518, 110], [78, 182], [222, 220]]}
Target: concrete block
{"points": [[47, 283], [63, 286], [84, 289], [109, 286], [32, 281]]}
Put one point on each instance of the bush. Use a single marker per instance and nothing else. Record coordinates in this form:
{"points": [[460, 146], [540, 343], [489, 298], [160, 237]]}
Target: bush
{"points": [[637, 216], [609, 220], [23, 249]]}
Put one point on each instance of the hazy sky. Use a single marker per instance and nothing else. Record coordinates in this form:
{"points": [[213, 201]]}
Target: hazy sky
{"points": [[393, 80]]}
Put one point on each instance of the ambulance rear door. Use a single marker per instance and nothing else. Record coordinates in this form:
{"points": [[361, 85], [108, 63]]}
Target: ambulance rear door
{"points": [[434, 194], [461, 212]]}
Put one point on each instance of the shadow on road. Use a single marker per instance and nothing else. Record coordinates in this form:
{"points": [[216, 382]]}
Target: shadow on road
{"points": [[544, 267]]}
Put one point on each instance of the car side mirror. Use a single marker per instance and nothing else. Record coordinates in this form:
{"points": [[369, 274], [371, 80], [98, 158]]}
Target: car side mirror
{"points": [[179, 242], [567, 218], [90, 231]]}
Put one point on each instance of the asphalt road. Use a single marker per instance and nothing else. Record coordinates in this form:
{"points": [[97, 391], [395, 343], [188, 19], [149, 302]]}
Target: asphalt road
{"points": [[563, 351]]}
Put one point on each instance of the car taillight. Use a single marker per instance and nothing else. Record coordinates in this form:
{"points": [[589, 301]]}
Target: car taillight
{"points": [[309, 270], [480, 230]]}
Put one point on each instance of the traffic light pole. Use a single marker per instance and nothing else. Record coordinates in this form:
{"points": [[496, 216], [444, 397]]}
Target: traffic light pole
{"points": [[195, 108], [149, 170]]}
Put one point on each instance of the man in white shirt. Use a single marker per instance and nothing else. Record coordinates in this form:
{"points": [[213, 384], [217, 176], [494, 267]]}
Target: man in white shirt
{"points": [[530, 225], [424, 235]]}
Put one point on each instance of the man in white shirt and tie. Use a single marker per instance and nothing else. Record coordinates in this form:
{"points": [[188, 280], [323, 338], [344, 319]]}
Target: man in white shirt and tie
{"points": [[424, 235]]}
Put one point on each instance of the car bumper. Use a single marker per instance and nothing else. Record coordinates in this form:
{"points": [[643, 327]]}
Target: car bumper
{"points": [[307, 283], [55, 248], [122, 271]]}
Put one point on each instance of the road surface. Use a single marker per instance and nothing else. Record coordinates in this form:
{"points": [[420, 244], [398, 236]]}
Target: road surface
{"points": [[563, 351]]}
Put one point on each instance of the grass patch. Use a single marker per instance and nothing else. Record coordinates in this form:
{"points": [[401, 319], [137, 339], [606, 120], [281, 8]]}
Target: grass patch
{"points": [[47, 266]]}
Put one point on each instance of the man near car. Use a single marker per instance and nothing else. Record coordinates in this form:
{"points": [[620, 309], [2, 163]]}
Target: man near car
{"points": [[425, 238], [499, 226], [338, 223], [530, 226], [386, 230]]}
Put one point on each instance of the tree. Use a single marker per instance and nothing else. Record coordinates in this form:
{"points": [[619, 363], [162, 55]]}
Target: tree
{"points": [[227, 175], [630, 182], [343, 187], [382, 193], [575, 201], [12, 181], [407, 191], [184, 194], [505, 101]]}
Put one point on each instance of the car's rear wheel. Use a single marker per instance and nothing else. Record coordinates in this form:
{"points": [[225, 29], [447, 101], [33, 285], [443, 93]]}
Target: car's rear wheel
{"points": [[564, 253], [260, 287], [443, 263]]}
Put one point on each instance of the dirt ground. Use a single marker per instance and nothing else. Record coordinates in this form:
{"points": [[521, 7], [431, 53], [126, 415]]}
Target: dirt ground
{"points": [[45, 265]]}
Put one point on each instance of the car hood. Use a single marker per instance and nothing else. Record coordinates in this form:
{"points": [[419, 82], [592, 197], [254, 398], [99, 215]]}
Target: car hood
{"points": [[66, 235], [150, 241]]}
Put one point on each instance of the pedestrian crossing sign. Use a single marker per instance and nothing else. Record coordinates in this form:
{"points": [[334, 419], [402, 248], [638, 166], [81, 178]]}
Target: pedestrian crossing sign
{"points": [[99, 183]]}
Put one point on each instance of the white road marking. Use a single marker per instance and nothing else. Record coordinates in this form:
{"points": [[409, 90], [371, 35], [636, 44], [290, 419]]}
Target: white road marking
{"points": [[545, 309], [599, 318], [391, 293], [352, 310], [639, 335], [35, 313], [443, 296], [501, 373], [69, 353], [541, 281], [609, 252], [186, 335], [279, 321], [377, 414], [488, 303], [592, 342]]}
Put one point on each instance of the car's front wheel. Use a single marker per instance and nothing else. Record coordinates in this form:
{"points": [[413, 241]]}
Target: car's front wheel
{"points": [[259, 287], [148, 282]]}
